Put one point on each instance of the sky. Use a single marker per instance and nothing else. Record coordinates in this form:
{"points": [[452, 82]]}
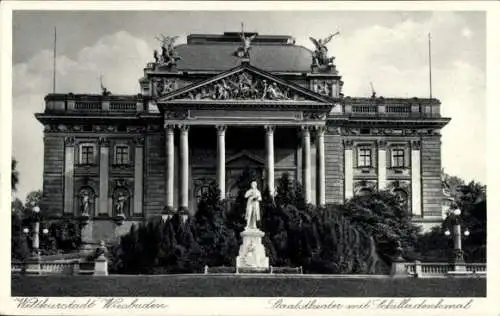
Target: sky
{"points": [[387, 48]]}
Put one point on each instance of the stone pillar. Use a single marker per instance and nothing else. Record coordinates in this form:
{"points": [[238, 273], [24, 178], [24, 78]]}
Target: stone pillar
{"points": [[270, 157], [348, 169], [382, 164], [169, 132], [103, 177], [221, 160], [306, 140], [416, 179], [69, 166], [184, 166], [321, 165], [138, 174]]}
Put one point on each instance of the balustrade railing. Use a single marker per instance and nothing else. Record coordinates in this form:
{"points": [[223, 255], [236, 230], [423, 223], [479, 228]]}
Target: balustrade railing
{"points": [[98, 106], [123, 107], [87, 106], [432, 269], [57, 267]]}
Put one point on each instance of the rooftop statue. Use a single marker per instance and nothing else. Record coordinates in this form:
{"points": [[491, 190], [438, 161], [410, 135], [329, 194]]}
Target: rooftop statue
{"points": [[320, 57], [168, 55], [244, 50]]}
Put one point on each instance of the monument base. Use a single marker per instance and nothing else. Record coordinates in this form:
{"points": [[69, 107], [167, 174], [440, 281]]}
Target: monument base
{"points": [[252, 255]]}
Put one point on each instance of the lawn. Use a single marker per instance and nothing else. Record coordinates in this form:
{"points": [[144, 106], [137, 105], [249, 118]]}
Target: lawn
{"points": [[236, 286]]}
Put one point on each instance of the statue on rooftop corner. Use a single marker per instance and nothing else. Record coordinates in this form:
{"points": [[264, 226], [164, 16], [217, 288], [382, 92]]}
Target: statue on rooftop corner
{"points": [[252, 214], [320, 57], [168, 55]]}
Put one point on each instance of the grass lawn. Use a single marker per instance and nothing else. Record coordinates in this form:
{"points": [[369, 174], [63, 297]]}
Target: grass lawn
{"points": [[236, 286]]}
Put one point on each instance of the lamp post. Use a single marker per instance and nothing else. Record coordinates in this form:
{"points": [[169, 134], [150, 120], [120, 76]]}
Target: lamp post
{"points": [[456, 233], [34, 264]]}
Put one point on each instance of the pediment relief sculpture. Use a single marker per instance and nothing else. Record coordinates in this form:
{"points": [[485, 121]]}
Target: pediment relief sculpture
{"points": [[242, 86], [162, 86]]}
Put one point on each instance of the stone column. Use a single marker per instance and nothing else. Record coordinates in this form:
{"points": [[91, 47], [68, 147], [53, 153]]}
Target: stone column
{"points": [[169, 132], [348, 169], [138, 174], [382, 164], [270, 157], [69, 166], [416, 179], [184, 166], [221, 160], [306, 140], [103, 177], [320, 147]]}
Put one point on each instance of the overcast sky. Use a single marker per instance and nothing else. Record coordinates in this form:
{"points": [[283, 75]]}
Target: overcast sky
{"points": [[386, 48]]}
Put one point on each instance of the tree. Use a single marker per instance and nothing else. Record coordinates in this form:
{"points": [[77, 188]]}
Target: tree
{"points": [[19, 240], [33, 198], [470, 198], [14, 175], [212, 232], [382, 216]]}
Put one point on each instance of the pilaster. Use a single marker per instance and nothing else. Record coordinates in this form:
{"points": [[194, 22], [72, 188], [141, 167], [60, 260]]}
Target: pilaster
{"points": [[69, 167], [104, 177], [416, 179], [138, 174], [348, 169], [382, 164]]}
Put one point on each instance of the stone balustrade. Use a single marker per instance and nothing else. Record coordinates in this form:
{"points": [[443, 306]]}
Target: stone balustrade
{"points": [[436, 269], [393, 107], [102, 104]]}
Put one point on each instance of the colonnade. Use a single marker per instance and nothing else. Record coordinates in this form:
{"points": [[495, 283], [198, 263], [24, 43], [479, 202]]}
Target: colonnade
{"points": [[221, 161]]}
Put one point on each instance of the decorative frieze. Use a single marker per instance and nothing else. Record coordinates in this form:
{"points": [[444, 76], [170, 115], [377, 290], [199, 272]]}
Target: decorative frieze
{"points": [[162, 86], [314, 115], [176, 115]]}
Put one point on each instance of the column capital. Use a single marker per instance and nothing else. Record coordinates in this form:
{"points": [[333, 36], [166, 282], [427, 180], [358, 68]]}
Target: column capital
{"points": [[221, 129], [348, 143], [169, 127], [139, 140], [183, 127], [305, 129], [382, 143], [416, 145], [103, 141], [69, 141], [320, 130], [269, 128]]}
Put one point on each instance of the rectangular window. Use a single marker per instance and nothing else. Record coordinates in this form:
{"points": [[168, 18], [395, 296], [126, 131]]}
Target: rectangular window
{"points": [[398, 158], [121, 155], [364, 157], [87, 155]]}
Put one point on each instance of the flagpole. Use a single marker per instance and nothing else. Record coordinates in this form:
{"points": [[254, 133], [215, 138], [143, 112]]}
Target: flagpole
{"points": [[54, 63], [430, 67]]}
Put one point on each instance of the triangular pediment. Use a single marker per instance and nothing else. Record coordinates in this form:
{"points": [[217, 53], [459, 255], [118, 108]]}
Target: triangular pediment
{"points": [[244, 83], [245, 158]]}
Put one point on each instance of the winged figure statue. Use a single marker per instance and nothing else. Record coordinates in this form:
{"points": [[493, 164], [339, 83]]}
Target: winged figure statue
{"points": [[321, 53]]}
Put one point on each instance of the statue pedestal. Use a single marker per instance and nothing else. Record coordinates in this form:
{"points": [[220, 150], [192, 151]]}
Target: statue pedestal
{"points": [[252, 255]]}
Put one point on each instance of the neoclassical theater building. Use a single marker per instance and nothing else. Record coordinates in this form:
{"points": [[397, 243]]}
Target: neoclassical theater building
{"points": [[218, 105]]}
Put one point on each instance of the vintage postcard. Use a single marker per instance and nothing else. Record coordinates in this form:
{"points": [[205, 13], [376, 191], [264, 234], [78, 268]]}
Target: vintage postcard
{"points": [[252, 158]]}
